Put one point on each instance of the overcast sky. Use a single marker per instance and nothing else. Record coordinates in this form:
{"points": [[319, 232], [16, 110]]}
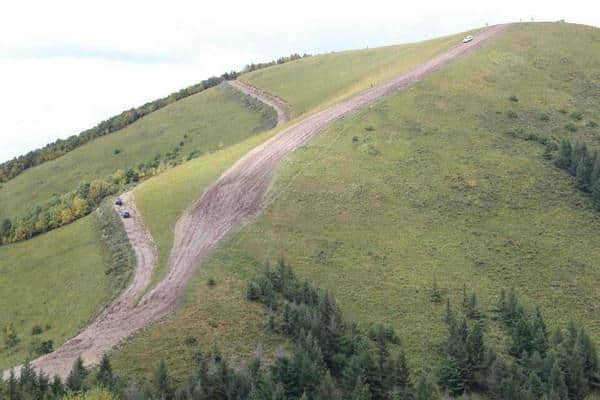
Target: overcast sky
{"points": [[66, 65]]}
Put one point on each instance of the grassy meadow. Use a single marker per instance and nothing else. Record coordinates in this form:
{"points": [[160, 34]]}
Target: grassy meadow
{"points": [[429, 181], [202, 123], [313, 83], [60, 280]]}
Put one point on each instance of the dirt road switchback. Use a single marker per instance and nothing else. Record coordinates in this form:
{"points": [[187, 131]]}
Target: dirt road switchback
{"points": [[237, 196]]}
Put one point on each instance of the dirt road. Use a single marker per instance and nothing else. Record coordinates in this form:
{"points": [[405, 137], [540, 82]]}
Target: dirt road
{"points": [[234, 198], [283, 109]]}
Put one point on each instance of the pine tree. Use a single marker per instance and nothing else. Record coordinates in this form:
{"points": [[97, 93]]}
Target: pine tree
{"points": [[565, 150], [476, 347], [12, 387], [501, 306], [590, 357], [75, 380], [449, 316], [399, 376], [595, 189], [162, 382], [28, 378], [472, 310], [105, 377], [56, 387], [361, 390], [583, 171], [426, 389], [557, 383], [540, 332], [534, 385], [436, 293], [327, 390]]}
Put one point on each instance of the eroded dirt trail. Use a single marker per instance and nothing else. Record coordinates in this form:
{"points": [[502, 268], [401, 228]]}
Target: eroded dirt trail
{"points": [[283, 109], [235, 197]]}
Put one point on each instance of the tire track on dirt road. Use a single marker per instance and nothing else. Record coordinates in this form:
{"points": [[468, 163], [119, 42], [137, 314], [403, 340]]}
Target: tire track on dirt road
{"points": [[237, 196]]}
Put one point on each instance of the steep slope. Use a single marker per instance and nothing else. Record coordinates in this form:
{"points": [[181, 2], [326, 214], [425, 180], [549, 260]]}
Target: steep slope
{"points": [[75, 256], [205, 122], [425, 182], [433, 180], [315, 82], [238, 194], [60, 280]]}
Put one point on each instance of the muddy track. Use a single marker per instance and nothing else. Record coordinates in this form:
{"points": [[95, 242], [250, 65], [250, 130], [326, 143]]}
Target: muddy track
{"points": [[237, 196]]}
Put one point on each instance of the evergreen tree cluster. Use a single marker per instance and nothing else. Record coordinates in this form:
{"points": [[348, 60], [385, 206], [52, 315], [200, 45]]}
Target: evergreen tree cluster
{"points": [[583, 164], [537, 365], [332, 358]]}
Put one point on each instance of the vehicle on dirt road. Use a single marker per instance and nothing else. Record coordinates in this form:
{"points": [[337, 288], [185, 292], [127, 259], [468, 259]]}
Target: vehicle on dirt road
{"points": [[467, 39], [119, 202], [125, 214]]}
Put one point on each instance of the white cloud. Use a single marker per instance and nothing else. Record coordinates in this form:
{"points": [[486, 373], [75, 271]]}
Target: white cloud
{"points": [[66, 65]]}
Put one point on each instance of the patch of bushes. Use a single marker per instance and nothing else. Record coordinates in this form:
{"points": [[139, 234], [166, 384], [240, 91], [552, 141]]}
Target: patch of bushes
{"points": [[513, 98], [511, 114], [36, 330], [592, 124], [576, 115], [571, 127]]}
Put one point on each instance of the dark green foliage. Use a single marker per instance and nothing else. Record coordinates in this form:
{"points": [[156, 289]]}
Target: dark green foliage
{"points": [[511, 114], [104, 376], [576, 115], [513, 98], [592, 124], [75, 380], [436, 293], [571, 127], [36, 330]]}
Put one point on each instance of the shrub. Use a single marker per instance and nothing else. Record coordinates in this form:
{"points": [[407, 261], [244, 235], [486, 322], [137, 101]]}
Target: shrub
{"points": [[562, 111], [369, 128], [545, 118], [576, 115], [513, 98], [116, 151], [511, 114], [211, 282], [592, 124], [190, 340], [570, 127], [36, 330]]}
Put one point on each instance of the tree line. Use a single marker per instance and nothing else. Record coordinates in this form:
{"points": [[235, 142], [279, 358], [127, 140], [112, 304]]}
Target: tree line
{"points": [[62, 209], [10, 169], [333, 358]]}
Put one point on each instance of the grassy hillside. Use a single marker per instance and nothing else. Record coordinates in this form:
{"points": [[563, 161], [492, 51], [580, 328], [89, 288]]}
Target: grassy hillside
{"points": [[431, 180], [162, 200], [316, 82], [59, 280], [204, 122]]}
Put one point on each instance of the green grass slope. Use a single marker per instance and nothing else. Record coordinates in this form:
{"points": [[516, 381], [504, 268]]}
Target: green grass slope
{"points": [[316, 82], [59, 280], [428, 181], [205, 122]]}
